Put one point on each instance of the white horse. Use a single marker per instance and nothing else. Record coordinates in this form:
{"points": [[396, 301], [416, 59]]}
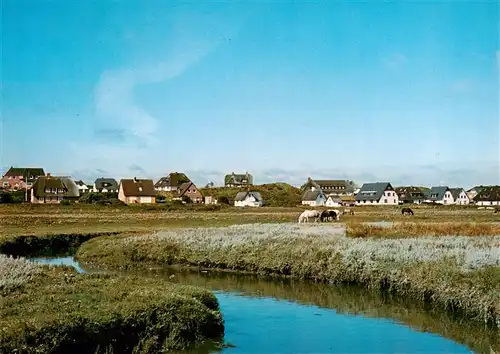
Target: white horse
{"points": [[306, 214]]}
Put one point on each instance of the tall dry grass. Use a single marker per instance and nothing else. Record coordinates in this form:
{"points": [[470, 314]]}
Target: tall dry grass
{"points": [[411, 229], [459, 273]]}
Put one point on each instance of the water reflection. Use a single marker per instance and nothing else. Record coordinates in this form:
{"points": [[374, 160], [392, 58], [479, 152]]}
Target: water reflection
{"points": [[320, 318]]}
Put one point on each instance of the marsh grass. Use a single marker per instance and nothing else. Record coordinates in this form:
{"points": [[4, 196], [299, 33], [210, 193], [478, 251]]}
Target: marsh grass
{"points": [[460, 273], [15, 272], [62, 311], [412, 229]]}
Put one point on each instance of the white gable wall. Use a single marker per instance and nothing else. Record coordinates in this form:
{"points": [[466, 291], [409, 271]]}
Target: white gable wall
{"points": [[248, 201], [463, 198]]}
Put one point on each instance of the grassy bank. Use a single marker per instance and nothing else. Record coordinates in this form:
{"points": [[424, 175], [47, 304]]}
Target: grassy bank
{"points": [[55, 310], [459, 274], [45, 245]]}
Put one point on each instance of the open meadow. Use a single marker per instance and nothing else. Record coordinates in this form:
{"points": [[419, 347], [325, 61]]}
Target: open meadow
{"points": [[58, 219], [444, 257]]}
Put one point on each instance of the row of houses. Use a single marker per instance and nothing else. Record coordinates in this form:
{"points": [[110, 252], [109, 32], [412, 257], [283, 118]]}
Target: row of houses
{"points": [[334, 193], [45, 188]]}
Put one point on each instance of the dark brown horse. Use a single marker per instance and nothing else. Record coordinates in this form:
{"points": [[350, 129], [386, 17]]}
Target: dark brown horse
{"points": [[329, 215], [406, 211]]}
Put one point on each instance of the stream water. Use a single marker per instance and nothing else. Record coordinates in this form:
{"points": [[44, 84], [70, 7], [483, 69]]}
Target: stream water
{"points": [[282, 316]]}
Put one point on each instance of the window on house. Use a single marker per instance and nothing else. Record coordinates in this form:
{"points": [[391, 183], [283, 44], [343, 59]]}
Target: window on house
{"points": [[385, 201]]}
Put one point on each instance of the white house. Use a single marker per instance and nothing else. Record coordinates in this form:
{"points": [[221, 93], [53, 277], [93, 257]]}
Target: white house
{"points": [[488, 196], [441, 195], [333, 201], [83, 187], [210, 200], [314, 197], [460, 197], [379, 193], [251, 199]]}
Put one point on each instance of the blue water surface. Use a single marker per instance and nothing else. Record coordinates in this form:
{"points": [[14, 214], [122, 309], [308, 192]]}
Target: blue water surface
{"points": [[67, 261], [266, 325]]}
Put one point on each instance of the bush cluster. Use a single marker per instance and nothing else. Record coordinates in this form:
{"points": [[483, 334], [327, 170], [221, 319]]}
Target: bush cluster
{"points": [[274, 194]]}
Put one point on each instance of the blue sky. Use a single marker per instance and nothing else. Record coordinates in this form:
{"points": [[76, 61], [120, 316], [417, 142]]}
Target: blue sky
{"points": [[400, 91]]}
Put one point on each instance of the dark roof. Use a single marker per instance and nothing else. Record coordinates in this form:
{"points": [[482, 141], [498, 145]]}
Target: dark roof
{"points": [[238, 178], [478, 188], [80, 183], [183, 188], [488, 194], [373, 191], [108, 183], [174, 179], [25, 172], [455, 192], [70, 189], [409, 193], [439, 191], [138, 187], [240, 196], [348, 186], [311, 195]]}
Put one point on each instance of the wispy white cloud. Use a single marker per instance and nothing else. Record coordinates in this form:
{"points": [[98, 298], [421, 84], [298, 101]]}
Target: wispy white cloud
{"points": [[124, 132], [116, 106]]}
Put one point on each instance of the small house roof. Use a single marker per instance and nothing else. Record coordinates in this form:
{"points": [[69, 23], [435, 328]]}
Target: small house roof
{"points": [[373, 191], [108, 183], [348, 186], [241, 196], [25, 172], [409, 193], [174, 179], [69, 187], [335, 198], [137, 187], [311, 195], [488, 194], [438, 191], [455, 192], [238, 178]]}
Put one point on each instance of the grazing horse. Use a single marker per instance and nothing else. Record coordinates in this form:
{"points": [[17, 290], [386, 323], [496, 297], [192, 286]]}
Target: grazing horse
{"points": [[406, 211], [348, 211], [306, 214], [330, 215]]}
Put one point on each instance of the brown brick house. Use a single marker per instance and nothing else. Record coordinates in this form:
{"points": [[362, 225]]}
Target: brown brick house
{"points": [[189, 190], [21, 177], [137, 191]]}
